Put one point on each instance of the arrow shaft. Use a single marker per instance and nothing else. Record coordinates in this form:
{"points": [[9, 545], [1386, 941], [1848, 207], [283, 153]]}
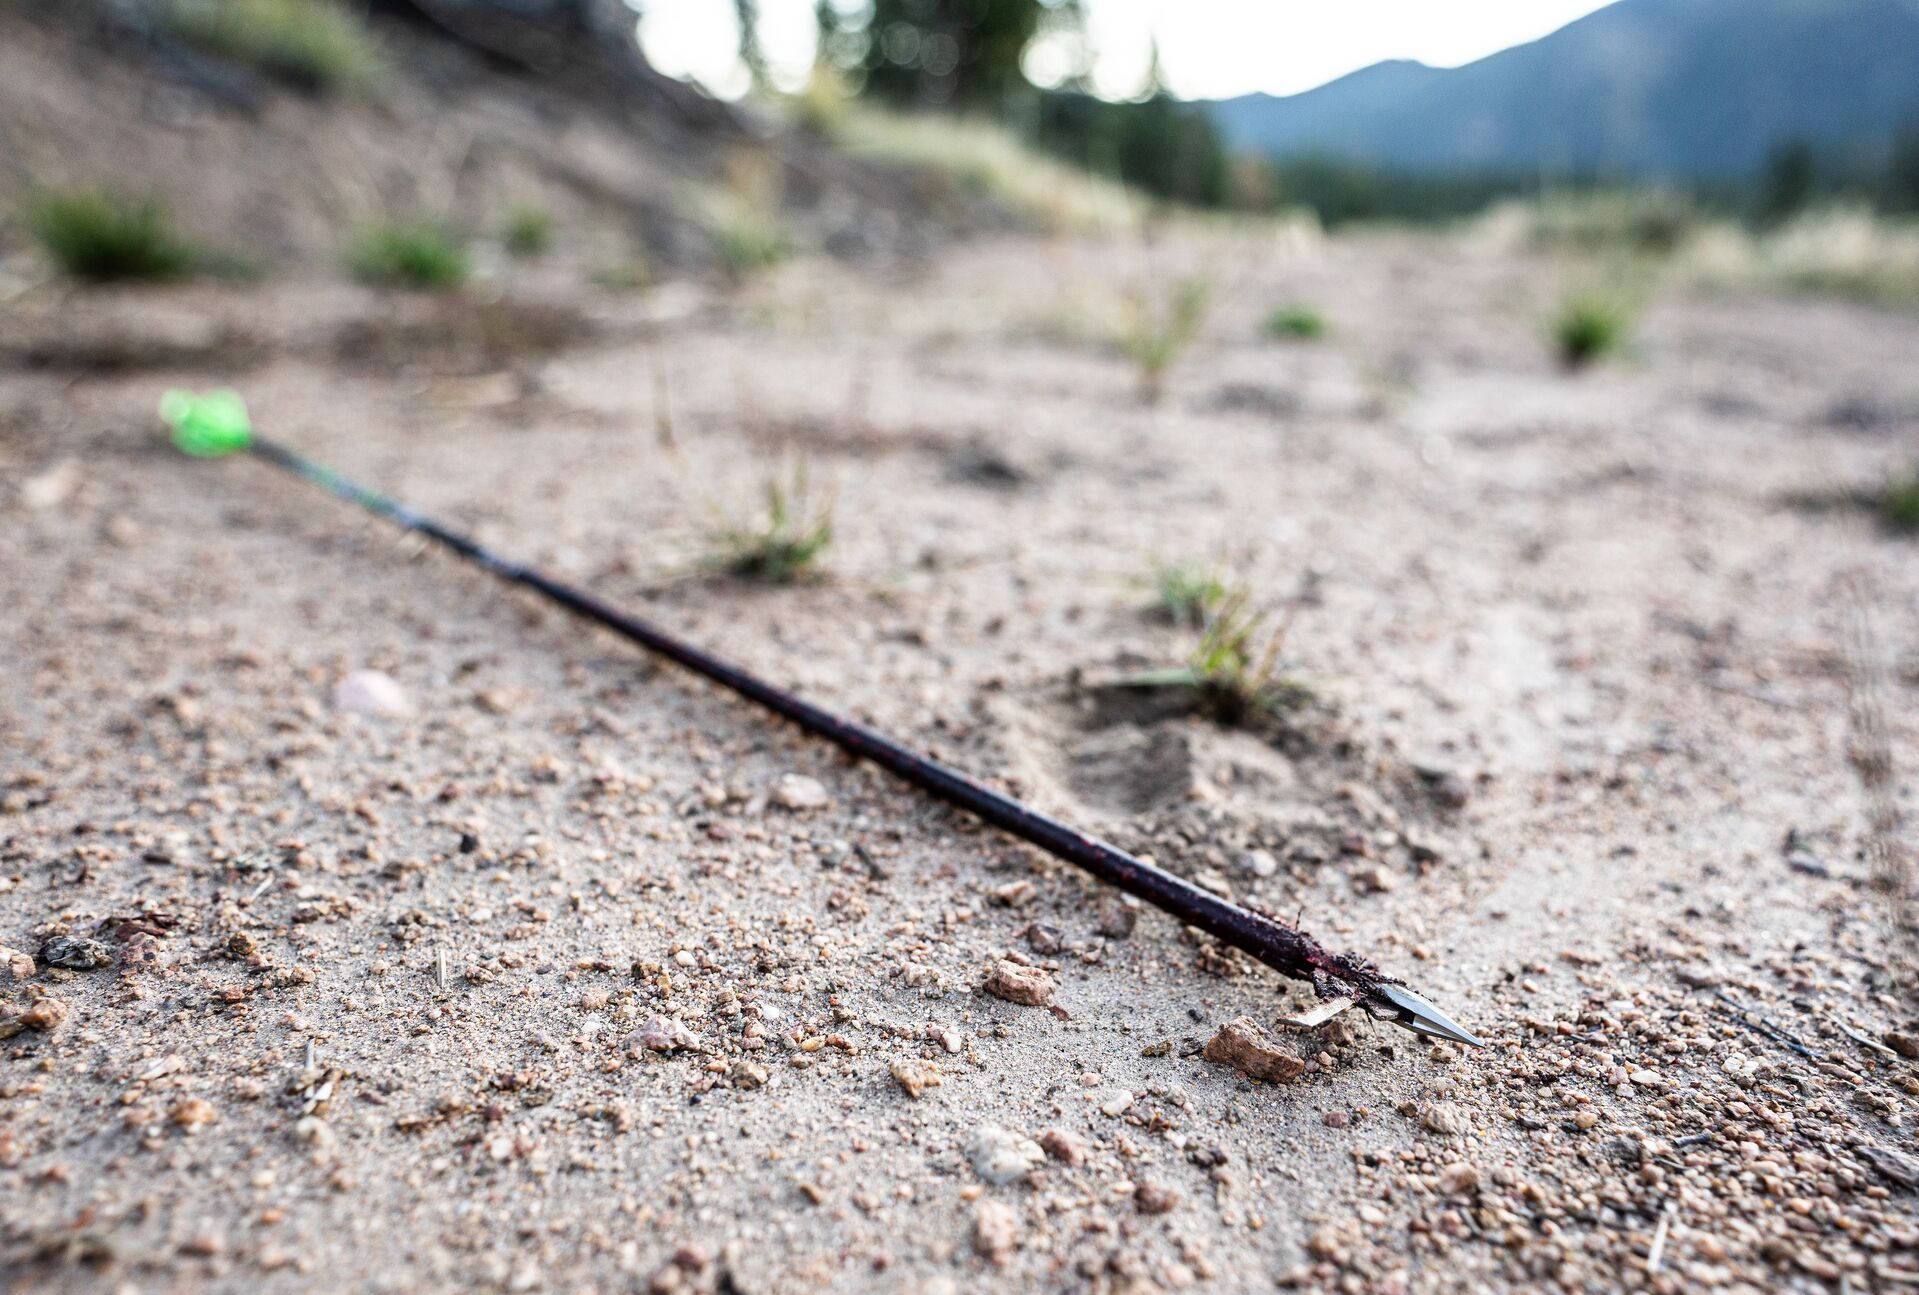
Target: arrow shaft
{"points": [[1286, 950]]}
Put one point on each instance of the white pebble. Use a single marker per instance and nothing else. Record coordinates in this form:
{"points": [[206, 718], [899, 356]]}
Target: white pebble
{"points": [[370, 692], [1001, 1156], [797, 792]]}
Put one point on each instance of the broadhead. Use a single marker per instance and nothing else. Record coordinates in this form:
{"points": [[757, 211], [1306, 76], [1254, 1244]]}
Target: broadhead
{"points": [[1409, 1011]]}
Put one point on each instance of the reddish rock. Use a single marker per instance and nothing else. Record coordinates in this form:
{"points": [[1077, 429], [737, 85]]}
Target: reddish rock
{"points": [[1245, 1046], [1027, 986]]}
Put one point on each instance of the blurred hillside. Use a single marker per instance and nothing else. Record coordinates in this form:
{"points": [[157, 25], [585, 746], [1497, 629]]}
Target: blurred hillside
{"points": [[1659, 89], [272, 129]]}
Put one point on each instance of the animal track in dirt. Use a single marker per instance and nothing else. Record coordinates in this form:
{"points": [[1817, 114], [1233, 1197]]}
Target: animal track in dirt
{"points": [[1131, 770], [1159, 780]]}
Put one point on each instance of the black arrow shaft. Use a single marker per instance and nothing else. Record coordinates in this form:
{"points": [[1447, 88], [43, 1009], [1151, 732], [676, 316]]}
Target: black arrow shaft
{"points": [[1287, 950]]}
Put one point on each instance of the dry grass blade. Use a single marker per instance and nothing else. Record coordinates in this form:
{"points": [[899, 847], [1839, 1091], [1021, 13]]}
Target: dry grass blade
{"points": [[1158, 334]]}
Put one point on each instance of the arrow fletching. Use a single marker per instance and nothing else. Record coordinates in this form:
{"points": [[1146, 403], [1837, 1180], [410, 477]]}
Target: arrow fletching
{"points": [[207, 426]]}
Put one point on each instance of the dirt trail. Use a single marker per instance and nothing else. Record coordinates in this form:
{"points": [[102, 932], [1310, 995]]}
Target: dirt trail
{"points": [[1584, 599]]}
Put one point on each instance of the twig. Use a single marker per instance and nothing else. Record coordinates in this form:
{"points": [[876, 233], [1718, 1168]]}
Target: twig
{"points": [[1767, 1026], [1865, 1040], [1657, 1255]]}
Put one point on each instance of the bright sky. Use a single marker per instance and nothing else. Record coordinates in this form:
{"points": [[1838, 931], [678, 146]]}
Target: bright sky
{"points": [[1208, 48]]}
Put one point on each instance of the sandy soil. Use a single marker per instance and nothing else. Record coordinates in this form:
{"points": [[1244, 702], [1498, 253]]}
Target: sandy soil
{"points": [[376, 989]]}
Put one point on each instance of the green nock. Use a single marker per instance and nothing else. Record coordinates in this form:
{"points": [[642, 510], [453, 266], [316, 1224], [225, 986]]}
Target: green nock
{"points": [[209, 425]]}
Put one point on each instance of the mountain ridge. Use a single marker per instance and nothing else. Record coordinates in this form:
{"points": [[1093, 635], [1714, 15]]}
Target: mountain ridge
{"points": [[1653, 88]]}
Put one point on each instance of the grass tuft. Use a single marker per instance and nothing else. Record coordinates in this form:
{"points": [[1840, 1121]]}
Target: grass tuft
{"points": [[747, 240], [783, 545], [315, 45], [1155, 338], [1589, 326], [1295, 323], [94, 235], [1235, 665], [528, 232], [1187, 593], [1898, 504], [409, 254]]}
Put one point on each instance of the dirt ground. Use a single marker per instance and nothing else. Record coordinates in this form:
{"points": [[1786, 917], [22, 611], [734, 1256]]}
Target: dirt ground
{"points": [[379, 991]]}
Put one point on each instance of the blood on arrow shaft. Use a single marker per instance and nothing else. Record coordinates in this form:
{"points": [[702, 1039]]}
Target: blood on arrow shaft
{"points": [[216, 424]]}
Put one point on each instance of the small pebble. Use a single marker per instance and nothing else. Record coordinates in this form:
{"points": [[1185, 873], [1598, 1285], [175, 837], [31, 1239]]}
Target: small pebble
{"points": [[659, 1034], [1374, 880], [1044, 939], [799, 793], [1155, 1198], [1442, 1118], [1246, 1046], [1027, 986], [370, 692], [1001, 1156], [996, 1231], [1118, 921], [916, 1076], [75, 954], [42, 1014], [1063, 1146], [315, 1132], [192, 1114]]}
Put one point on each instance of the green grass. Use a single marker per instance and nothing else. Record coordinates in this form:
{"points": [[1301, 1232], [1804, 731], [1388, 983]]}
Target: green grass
{"points": [[1589, 326], [1295, 323], [315, 45], [1158, 334], [528, 232], [1186, 593], [1232, 674], [747, 241], [1898, 504], [409, 254], [1235, 665], [785, 543], [101, 237]]}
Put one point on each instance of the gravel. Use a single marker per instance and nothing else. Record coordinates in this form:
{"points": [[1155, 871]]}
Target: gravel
{"points": [[1579, 666]]}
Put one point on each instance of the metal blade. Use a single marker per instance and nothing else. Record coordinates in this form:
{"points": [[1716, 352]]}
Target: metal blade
{"points": [[1411, 1012], [1321, 1014]]}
